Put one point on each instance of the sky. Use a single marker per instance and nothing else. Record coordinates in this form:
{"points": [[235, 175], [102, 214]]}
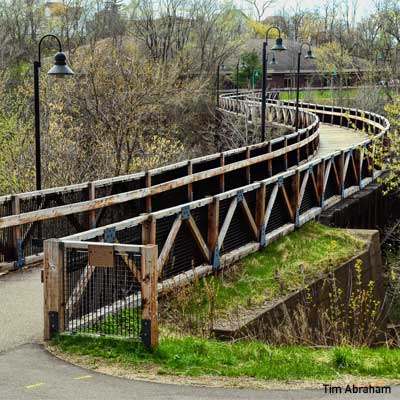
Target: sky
{"points": [[364, 7]]}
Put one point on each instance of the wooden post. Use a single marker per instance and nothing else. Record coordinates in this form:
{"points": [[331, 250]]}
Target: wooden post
{"points": [[248, 174], [222, 176], [285, 156], [149, 230], [16, 209], [149, 289], [92, 213], [260, 205], [213, 224], [298, 149], [190, 185], [53, 288], [341, 173], [269, 162], [148, 198], [320, 181], [295, 198], [307, 146]]}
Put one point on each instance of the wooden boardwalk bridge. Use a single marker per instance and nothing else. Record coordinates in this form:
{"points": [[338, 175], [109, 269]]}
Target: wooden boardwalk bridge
{"points": [[202, 214]]}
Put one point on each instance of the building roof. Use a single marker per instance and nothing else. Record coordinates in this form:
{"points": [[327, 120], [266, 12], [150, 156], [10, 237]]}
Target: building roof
{"points": [[286, 61]]}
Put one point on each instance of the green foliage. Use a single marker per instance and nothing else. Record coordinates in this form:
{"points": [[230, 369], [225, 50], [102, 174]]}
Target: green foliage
{"points": [[249, 70], [282, 267], [194, 357], [386, 153]]}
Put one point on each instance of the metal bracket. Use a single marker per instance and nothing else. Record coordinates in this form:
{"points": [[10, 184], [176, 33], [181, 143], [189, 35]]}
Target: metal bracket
{"points": [[145, 333], [322, 200], [110, 234], [185, 213], [280, 181], [239, 196], [261, 236], [215, 259], [297, 218], [20, 255], [53, 323], [342, 190], [311, 169]]}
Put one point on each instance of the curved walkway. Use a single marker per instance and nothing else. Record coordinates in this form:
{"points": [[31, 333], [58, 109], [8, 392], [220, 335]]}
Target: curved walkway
{"points": [[28, 371], [334, 138]]}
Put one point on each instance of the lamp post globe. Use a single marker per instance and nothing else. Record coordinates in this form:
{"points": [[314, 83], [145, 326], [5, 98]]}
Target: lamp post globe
{"points": [[278, 46]]}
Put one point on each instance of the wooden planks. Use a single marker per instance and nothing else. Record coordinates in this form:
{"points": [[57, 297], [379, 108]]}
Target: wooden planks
{"points": [[53, 288]]}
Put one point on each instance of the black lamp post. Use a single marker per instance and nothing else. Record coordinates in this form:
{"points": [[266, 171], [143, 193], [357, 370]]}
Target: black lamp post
{"points": [[308, 56], [237, 85], [59, 69], [219, 67], [277, 47]]}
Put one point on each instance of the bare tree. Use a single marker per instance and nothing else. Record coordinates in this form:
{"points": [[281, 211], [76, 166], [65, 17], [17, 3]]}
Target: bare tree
{"points": [[260, 7]]}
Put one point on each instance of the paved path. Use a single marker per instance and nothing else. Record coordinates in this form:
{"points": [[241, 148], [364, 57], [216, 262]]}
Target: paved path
{"points": [[333, 138], [29, 372], [21, 305]]}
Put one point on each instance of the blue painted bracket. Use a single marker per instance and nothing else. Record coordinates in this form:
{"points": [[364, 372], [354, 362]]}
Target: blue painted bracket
{"points": [[261, 236], [297, 218], [20, 255], [110, 234], [185, 213], [215, 259]]}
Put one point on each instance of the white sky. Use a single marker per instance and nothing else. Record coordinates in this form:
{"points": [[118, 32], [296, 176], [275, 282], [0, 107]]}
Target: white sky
{"points": [[364, 7]]}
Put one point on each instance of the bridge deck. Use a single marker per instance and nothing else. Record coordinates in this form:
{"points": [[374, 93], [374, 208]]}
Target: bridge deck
{"points": [[333, 138]]}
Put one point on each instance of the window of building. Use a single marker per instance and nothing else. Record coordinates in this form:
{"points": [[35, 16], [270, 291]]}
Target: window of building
{"points": [[287, 82]]}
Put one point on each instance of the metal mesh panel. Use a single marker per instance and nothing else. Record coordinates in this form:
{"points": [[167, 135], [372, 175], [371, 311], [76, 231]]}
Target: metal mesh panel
{"points": [[279, 214], [169, 175], [278, 165], [206, 165], [169, 198], [235, 179], [102, 300], [309, 198], [207, 187], [6, 235], [184, 254], [350, 179], [331, 186]]}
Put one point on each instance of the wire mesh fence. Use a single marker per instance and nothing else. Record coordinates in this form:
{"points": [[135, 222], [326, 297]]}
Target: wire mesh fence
{"points": [[102, 300]]}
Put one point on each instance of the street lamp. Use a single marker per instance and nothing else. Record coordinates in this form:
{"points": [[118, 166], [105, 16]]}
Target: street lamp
{"points": [[59, 69], [238, 64], [277, 47], [308, 56], [219, 67]]}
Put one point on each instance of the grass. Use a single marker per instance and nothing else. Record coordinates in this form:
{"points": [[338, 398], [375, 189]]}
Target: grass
{"points": [[316, 94], [282, 267], [195, 357]]}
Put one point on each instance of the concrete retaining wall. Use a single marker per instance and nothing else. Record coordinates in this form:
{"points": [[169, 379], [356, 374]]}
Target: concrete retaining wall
{"points": [[315, 297]]}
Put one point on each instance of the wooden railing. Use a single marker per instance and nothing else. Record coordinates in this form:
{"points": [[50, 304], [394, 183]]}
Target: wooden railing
{"points": [[197, 237], [86, 284], [28, 218]]}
